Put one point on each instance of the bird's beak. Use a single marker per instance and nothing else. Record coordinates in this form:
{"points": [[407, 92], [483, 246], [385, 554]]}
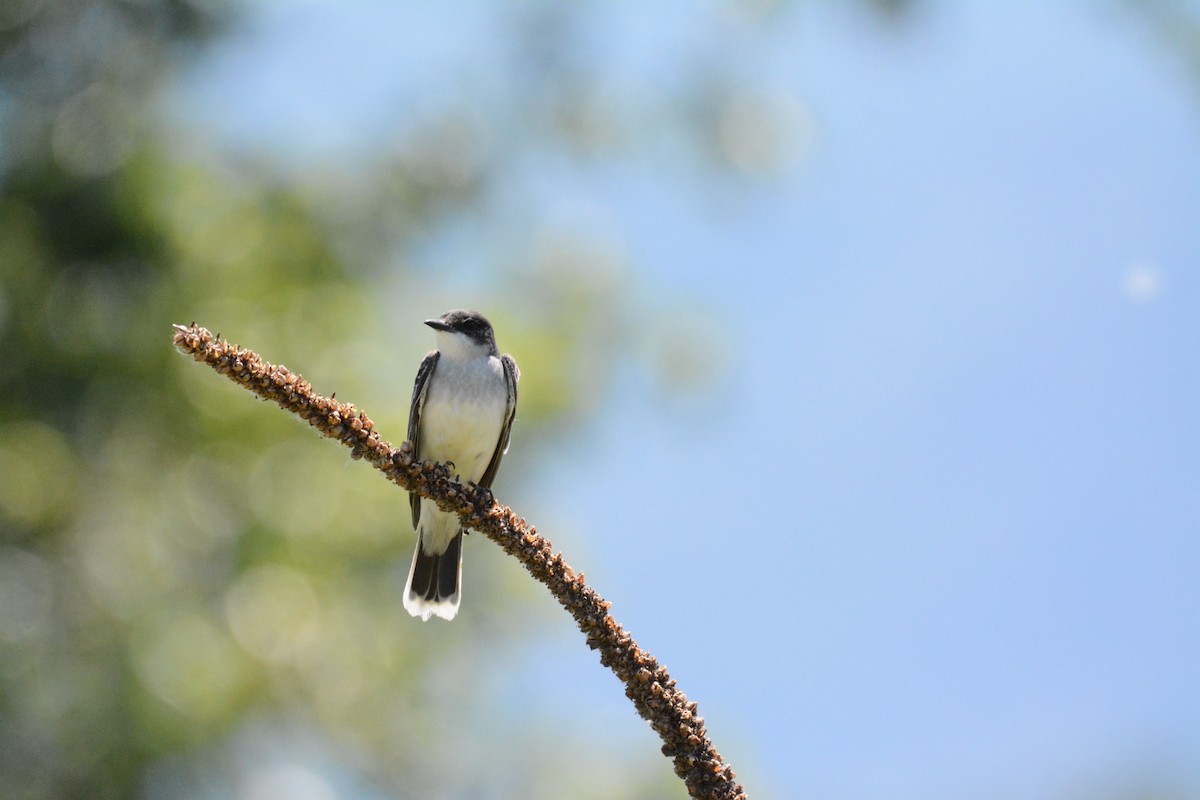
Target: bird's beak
{"points": [[437, 325]]}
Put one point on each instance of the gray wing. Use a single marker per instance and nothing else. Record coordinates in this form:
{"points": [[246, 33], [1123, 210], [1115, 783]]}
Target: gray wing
{"points": [[511, 376], [424, 372]]}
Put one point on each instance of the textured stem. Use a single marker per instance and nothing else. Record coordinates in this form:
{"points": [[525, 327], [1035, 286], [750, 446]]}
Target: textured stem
{"points": [[647, 683]]}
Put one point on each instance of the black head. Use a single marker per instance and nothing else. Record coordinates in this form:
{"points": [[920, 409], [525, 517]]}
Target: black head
{"points": [[469, 323]]}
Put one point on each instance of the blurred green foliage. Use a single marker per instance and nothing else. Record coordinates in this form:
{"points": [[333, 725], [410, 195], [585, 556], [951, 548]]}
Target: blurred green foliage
{"points": [[186, 575]]}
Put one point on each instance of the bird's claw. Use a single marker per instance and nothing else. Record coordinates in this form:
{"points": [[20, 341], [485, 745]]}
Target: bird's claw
{"points": [[483, 492]]}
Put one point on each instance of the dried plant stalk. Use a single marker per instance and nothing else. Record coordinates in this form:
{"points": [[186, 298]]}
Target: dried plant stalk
{"points": [[647, 683]]}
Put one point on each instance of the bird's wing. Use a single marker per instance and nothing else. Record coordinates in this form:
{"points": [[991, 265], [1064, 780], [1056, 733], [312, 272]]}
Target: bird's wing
{"points": [[420, 388], [511, 375]]}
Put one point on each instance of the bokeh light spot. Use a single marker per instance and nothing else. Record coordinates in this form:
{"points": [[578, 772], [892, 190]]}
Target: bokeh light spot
{"points": [[446, 153], [282, 481], [764, 132], [286, 780], [1143, 282], [272, 612], [215, 222], [38, 474], [186, 661], [94, 131]]}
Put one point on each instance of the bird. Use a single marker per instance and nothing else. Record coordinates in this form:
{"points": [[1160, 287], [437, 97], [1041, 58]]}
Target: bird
{"points": [[463, 405]]}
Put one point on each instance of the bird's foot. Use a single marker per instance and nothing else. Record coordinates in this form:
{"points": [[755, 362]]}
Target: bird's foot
{"points": [[488, 498]]}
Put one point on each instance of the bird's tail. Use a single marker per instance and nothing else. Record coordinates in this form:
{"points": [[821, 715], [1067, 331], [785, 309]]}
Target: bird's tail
{"points": [[433, 580]]}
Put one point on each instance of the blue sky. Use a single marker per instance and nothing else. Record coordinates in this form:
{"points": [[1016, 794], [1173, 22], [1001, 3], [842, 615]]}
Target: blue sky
{"points": [[943, 502]]}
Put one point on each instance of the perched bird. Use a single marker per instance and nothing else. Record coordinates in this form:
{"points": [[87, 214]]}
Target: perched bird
{"points": [[463, 405]]}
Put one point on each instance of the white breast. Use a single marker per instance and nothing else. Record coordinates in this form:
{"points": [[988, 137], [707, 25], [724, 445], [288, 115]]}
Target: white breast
{"points": [[463, 414]]}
